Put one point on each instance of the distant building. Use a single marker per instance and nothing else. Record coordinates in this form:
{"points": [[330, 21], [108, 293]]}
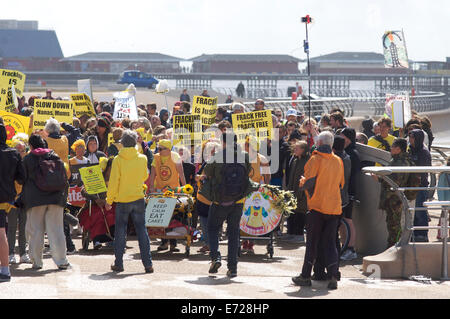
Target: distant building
{"points": [[116, 62], [245, 63], [25, 48], [351, 63]]}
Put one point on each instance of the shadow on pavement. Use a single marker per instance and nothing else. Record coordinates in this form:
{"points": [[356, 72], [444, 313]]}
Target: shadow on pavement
{"points": [[212, 280], [317, 289], [29, 272]]}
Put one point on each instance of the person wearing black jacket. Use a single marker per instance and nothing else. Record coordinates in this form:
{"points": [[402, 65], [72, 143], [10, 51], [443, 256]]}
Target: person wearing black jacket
{"points": [[10, 170], [283, 155], [45, 210], [349, 135], [421, 156]]}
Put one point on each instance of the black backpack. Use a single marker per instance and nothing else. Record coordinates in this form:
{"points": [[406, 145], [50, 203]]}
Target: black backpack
{"points": [[235, 182], [51, 174]]}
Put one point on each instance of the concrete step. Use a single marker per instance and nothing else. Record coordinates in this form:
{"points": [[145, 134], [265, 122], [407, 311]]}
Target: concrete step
{"points": [[400, 262]]}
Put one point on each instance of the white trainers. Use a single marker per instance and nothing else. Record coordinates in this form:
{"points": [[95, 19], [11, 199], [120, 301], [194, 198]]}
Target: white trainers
{"points": [[349, 255], [25, 259], [12, 259]]}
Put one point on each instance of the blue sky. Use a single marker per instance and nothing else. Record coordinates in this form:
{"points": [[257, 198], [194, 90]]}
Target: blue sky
{"points": [[192, 27]]}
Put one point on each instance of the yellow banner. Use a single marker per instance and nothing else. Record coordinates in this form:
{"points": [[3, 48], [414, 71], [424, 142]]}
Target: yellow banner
{"points": [[187, 129], [206, 107], [62, 111], [93, 180], [82, 105], [15, 124], [257, 124], [8, 78]]}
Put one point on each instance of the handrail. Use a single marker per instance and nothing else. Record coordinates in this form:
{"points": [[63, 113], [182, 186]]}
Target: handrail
{"points": [[422, 103], [385, 171]]}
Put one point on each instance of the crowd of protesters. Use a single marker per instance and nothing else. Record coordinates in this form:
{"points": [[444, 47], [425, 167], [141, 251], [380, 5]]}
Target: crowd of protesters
{"points": [[318, 162]]}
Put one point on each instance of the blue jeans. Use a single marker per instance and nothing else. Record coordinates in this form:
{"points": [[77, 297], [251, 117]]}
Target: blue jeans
{"points": [[204, 225], [421, 216], [216, 216], [137, 211]]}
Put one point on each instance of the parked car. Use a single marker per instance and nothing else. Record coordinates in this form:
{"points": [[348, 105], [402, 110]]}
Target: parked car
{"points": [[138, 78]]}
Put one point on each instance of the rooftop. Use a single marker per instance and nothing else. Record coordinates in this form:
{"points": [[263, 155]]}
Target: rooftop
{"points": [[29, 44], [122, 57], [245, 58], [350, 57]]}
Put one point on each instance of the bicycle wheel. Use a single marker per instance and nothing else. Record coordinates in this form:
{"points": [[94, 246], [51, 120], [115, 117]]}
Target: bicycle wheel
{"points": [[343, 236]]}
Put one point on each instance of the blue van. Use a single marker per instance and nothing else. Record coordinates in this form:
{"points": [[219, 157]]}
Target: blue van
{"points": [[138, 78]]}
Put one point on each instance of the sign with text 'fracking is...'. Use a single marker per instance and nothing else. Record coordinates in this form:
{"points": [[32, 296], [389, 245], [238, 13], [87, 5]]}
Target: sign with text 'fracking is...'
{"points": [[159, 211]]}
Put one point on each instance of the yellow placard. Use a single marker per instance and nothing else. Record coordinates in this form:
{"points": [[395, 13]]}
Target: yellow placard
{"points": [[62, 111], [206, 107], [15, 124], [8, 78], [82, 105], [110, 139], [257, 124], [187, 129], [93, 180]]}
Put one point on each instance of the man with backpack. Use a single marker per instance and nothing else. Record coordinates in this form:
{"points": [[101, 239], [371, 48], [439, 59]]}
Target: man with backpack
{"points": [[226, 184], [10, 170], [44, 197]]}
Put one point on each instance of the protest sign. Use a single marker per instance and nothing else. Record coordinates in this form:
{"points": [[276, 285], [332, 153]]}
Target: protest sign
{"points": [[14, 124], [398, 109], [82, 105], [125, 106], [62, 111], [159, 211], [85, 86], [75, 177], [9, 80], [206, 107], [110, 139], [74, 196], [257, 124], [93, 180], [395, 54], [187, 129]]}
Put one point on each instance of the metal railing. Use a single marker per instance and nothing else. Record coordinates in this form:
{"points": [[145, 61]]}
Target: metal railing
{"points": [[374, 105], [386, 171], [444, 206]]}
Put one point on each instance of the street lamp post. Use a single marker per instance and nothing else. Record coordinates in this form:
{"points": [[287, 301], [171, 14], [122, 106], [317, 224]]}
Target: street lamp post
{"points": [[307, 20]]}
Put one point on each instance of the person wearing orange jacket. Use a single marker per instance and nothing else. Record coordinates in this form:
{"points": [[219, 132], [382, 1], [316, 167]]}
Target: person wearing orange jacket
{"points": [[323, 181]]}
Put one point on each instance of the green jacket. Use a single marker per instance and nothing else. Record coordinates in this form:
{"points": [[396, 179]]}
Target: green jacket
{"points": [[213, 172], [400, 179]]}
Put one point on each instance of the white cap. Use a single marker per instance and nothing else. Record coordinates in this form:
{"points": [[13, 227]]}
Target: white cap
{"points": [[291, 112]]}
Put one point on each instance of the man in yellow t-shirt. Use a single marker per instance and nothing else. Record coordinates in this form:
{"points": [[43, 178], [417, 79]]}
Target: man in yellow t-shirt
{"points": [[384, 140]]}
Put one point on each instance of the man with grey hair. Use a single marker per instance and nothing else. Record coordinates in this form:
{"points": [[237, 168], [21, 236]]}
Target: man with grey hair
{"points": [[322, 183], [125, 188]]}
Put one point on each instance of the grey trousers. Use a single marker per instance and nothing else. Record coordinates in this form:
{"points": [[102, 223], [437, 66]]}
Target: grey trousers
{"points": [[16, 217]]}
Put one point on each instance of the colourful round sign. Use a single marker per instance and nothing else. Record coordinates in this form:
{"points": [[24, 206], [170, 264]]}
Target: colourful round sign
{"points": [[259, 216]]}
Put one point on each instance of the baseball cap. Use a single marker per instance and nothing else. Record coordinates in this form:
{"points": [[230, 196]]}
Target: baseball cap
{"points": [[291, 112]]}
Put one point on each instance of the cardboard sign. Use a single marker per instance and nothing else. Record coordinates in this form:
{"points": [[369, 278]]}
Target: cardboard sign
{"points": [[75, 177], [257, 124], [15, 124], [93, 180], [74, 196], [9, 80], [62, 111], [85, 86], [206, 107], [125, 106], [159, 211], [187, 129], [82, 105], [110, 139]]}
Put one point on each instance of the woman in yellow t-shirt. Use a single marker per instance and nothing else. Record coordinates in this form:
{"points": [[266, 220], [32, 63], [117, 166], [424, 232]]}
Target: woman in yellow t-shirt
{"points": [[167, 171]]}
